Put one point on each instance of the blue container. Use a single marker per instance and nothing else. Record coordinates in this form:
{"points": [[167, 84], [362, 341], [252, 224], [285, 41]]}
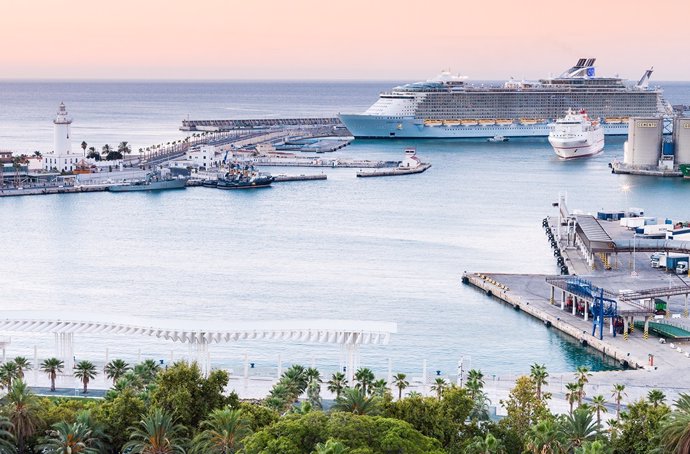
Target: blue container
{"points": [[668, 221], [639, 230], [668, 149]]}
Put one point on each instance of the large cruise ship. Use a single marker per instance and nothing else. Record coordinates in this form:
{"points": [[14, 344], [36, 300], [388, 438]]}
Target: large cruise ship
{"points": [[450, 107]]}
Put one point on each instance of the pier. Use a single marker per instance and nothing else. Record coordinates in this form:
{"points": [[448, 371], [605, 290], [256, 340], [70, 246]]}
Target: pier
{"points": [[233, 125]]}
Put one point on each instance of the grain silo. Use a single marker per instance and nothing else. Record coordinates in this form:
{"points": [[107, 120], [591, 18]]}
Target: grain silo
{"points": [[681, 138], [644, 142]]}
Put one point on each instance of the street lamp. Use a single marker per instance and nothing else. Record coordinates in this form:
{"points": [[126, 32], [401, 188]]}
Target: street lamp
{"points": [[634, 272]]}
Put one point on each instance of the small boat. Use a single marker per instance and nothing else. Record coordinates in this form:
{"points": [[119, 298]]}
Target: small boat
{"points": [[451, 123], [154, 181], [504, 121], [469, 122], [613, 120], [496, 139], [685, 170], [576, 136], [487, 122], [433, 123], [410, 165], [529, 121]]}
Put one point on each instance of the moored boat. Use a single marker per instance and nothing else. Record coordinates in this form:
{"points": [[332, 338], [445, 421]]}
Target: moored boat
{"points": [[409, 165], [496, 139], [154, 181], [247, 178]]}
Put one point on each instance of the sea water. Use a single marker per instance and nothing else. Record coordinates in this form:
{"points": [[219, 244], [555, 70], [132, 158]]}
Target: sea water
{"points": [[387, 249]]}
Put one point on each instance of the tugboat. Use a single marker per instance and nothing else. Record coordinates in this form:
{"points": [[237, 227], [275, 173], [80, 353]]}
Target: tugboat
{"points": [[576, 136], [154, 181], [247, 178]]}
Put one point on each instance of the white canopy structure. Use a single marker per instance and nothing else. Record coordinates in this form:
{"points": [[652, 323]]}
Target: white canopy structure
{"points": [[199, 334]]}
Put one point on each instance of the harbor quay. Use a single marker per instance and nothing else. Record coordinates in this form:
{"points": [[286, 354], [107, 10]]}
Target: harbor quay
{"points": [[623, 293]]}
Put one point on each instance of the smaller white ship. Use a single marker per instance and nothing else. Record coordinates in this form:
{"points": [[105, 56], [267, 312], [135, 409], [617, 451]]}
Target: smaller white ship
{"points": [[576, 136], [411, 164], [496, 139]]}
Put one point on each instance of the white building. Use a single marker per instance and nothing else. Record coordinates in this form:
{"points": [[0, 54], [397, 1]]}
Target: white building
{"points": [[62, 159], [206, 156]]}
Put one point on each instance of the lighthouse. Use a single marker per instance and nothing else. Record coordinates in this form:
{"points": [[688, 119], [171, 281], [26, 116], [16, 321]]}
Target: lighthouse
{"points": [[62, 143], [62, 159]]}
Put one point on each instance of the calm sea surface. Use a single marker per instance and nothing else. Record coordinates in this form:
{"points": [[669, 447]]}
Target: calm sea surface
{"points": [[379, 249]]}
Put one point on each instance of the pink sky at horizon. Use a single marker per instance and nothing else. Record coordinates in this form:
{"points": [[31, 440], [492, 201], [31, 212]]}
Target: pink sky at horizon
{"points": [[309, 39]]}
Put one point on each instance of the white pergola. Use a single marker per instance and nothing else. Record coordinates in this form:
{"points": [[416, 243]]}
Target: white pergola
{"points": [[349, 334]]}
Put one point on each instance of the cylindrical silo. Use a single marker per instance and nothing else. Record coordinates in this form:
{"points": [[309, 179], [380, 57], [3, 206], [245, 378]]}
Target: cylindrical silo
{"points": [[681, 138], [644, 141]]}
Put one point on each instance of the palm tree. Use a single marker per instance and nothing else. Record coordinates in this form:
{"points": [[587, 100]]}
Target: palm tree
{"points": [[124, 148], [354, 400], [84, 145], [105, 151], [52, 367], [618, 393], [675, 427], [439, 386], [38, 154], [314, 393], [544, 437], [157, 433], [8, 372], [400, 383], [572, 394], [85, 371], [475, 382], [147, 370], [68, 438], [598, 405], [364, 378], [414, 395], [485, 445], [337, 383], [539, 375], [21, 407], [6, 438], [379, 388], [312, 373], [582, 375], [656, 397], [578, 428], [223, 431], [116, 369], [22, 364], [330, 447], [93, 154]]}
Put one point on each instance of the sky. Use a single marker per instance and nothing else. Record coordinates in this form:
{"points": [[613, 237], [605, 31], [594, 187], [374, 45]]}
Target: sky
{"points": [[346, 39]]}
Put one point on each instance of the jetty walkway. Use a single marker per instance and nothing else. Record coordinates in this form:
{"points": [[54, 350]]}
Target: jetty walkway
{"points": [[233, 125]]}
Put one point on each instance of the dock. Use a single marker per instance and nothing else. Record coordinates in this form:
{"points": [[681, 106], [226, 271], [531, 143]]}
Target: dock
{"points": [[606, 295], [623, 169], [306, 161], [286, 178], [259, 123]]}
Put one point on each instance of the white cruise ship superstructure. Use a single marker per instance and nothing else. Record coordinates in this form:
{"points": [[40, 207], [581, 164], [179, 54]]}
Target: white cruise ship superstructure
{"points": [[450, 107]]}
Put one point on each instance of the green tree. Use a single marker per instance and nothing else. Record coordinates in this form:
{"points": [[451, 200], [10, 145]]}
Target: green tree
{"points": [[6, 437], [523, 408], [538, 374], [545, 437], [572, 394], [475, 381], [592, 447], [93, 154], [23, 365], [183, 391], [84, 145], [400, 382], [157, 433], [116, 369], [578, 428], [439, 387], [85, 371], [223, 432], [337, 383], [598, 406], [119, 414], [355, 400], [582, 376], [65, 438], [314, 392], [21, 410], [330, 447], [379, 388], [8, 373], [364, 378], [147, 370], [124, 148], [656, 397], [485, 445], [618, 393]]}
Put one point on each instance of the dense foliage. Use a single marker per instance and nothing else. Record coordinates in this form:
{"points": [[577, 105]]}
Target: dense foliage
{"points": [[179, 410]]}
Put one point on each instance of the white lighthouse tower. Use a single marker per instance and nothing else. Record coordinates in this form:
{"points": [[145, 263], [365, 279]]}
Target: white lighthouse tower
{"points": [[62, 143], [62, 158]]}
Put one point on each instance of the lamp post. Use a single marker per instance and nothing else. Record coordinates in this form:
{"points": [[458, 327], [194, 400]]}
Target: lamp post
{"points": [[634, 272]]}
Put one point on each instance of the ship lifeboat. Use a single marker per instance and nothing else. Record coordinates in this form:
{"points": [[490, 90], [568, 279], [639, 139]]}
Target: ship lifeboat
{"points": [[487, 122], [433, 123], [469, 122], [451, 123], [625, 120], [529, 121], [613, 120], [504, 121]]}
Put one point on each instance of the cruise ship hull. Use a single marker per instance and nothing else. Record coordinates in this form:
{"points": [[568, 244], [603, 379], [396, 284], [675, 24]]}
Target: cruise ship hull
{"points": [[379, 127]]}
